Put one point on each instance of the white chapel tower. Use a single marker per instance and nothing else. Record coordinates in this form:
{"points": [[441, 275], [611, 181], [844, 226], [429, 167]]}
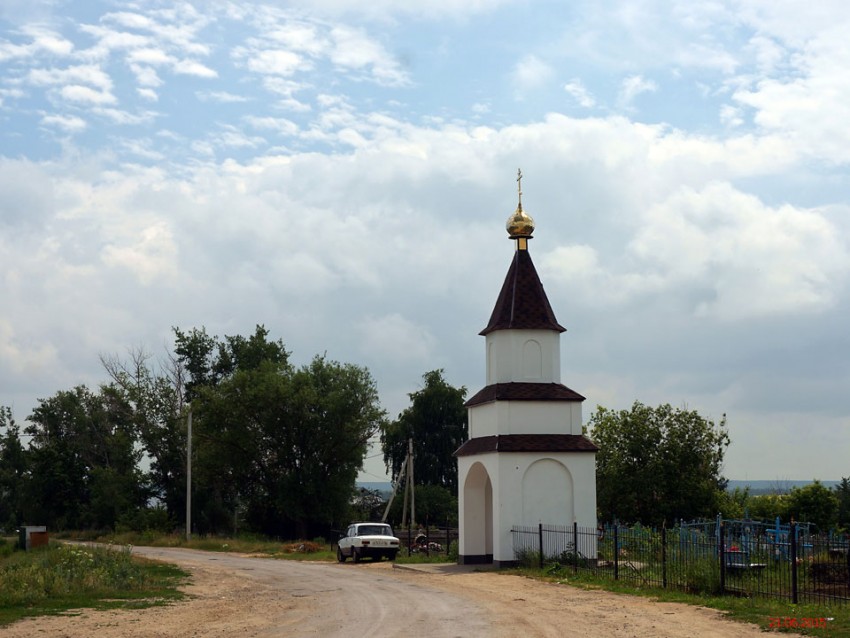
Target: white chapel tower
{"points": [[526, 460]]}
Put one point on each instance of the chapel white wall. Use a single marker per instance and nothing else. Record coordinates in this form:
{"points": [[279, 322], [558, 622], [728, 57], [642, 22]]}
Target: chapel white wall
{"points": [[525, 417], [523, 356]]}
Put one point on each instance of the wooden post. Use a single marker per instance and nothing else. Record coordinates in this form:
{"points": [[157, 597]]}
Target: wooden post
{"points": [[189, 476], [412, 490]]}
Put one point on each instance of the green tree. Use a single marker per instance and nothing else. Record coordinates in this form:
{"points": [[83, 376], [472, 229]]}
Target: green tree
{"points": [[367, 505], [434, 505], [13, 469], [734, 504], [842, 492], [82, 459], [437, 422], [815, 503], [277, 446], [155, 394], [766, 507], [658, 464]]}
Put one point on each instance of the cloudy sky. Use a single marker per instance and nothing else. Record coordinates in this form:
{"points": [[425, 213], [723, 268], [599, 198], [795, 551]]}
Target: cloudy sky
{"points": [[341, 172]]}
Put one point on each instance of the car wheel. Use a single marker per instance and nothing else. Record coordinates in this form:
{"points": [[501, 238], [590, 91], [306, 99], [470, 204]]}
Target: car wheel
{"points": [[339, 555], [391, 555], [355, 555]]}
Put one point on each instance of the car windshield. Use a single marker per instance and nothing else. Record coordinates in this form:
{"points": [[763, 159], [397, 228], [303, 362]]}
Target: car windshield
{"points": [[374, 530]]}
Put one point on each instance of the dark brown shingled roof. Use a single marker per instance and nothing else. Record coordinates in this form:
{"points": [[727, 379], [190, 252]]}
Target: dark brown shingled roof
{"points": [[522, 303], [524, 392], [527, 443]]}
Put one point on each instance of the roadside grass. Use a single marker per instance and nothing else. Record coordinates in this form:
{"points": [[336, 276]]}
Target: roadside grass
{"points": [[421, 557], [59, 578], [768, 614], [316, 550]]}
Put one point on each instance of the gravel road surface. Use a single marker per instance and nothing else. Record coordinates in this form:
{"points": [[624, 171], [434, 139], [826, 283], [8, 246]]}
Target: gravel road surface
{"points": [[239, 595]]}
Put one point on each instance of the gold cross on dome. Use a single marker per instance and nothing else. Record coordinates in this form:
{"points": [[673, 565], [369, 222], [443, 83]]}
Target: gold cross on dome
{"points": [[519, 184]]}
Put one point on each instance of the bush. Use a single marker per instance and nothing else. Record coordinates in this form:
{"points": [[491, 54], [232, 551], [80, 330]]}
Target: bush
{"points": [[703, 576], [60, 570], [528, 558], [6, 548], [828, 571], [453, 552]]}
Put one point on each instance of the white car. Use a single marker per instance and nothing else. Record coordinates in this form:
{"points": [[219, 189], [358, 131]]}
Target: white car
{"points": [[373, 540]]}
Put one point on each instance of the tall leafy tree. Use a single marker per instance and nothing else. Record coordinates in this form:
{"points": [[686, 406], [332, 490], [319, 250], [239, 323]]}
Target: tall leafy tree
{"points": [[13, 469], [277, 445], [156, 396], [83, 462], [437, 422], [814, 503], [657, 464], [842, 492]]}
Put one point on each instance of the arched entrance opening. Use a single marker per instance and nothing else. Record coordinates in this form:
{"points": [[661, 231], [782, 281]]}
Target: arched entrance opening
{"points": [[476, 542]]}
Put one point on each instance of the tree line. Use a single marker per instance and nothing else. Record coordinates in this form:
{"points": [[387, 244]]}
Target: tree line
{"points": [[277, 450], [661, 465]]}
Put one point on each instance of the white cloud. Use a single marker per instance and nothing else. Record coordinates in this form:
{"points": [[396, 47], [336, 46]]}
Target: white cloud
{"points": [[273, 62], [396, 337], [125, 117], [633, 86], [576, 89], [530, 73], [354, 49], [389, 10], [278, 124], [69, 123], [89, 74], [150, 258], [77, 93], [753, 259], [731, 116], [193, 67], [150, 56], [299, 36], [42, 41], [221, 96], [231, 137], [23, 359], [811, 104]]}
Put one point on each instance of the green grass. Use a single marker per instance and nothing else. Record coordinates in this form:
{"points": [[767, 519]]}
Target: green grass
{"points": [[768, 614], [419, 558], [59, 578], [315, 550]]}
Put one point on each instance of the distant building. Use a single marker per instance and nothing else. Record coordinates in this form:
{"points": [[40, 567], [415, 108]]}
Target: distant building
{"points": [[526, 460]]}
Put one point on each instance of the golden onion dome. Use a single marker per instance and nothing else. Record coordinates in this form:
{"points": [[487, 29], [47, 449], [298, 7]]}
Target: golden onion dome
{"points": [[520, 224]]}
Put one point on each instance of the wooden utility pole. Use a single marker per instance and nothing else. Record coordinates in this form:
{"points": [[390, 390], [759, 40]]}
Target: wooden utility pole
{"points": [[189, 476], [399, 479], [411, 483]]}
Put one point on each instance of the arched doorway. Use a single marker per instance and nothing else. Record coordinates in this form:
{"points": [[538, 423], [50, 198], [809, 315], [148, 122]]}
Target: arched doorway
{"points": [[476, 543]]}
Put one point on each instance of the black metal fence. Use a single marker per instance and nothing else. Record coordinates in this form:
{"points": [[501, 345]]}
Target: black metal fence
{"points": [[729, 557], [428, 540]]}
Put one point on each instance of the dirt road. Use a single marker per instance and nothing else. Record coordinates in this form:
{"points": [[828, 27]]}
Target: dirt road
{"points": [[237, 595]]}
